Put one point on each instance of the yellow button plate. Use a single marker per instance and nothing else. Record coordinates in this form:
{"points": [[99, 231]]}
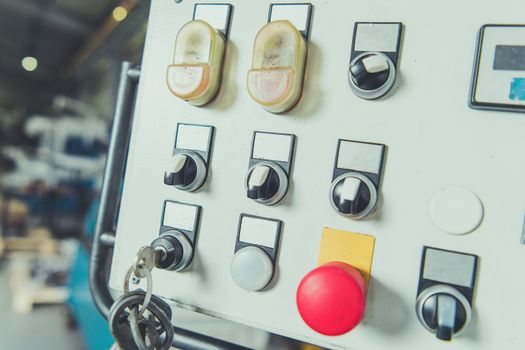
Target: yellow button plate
{"points": [[352, 248]]}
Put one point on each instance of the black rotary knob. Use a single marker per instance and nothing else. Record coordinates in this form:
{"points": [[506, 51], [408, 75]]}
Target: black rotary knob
{"points": [[443, 310], [444, 314], [187, 173], [371, 75], [353, 195], [266, 183]]}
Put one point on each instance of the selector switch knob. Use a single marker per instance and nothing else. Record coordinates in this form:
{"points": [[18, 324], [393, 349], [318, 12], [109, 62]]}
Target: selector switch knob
{"points": [[266, 183], [188, 172], [263, 183], [331, 299], [353, 195], [443, 310], [371, 75], [176, 251]]}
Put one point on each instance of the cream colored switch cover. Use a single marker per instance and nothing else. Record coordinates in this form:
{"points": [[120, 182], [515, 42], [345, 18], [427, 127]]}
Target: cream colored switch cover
{"points": [[352, 248]]}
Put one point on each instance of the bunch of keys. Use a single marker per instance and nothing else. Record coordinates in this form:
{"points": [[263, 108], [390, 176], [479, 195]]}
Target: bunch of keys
{"points": [[140, 320]]}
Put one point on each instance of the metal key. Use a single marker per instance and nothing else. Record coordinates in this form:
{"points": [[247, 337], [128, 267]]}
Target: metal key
{"points": [[145, 259], [152, 335], [130, 328]]}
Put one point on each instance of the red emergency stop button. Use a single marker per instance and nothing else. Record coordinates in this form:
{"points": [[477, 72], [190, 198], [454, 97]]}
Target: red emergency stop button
{"points": [[331, 298]]}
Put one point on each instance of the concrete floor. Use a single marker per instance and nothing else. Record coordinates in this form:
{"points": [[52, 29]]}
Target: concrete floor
{"points": [[43, 329]]}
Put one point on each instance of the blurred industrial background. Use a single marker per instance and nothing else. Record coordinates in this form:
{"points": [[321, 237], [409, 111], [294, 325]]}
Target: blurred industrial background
{"points": [[59, 67]]}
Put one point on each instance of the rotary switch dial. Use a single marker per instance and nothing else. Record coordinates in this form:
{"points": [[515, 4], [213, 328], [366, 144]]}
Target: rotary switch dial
{"points": [[443, 310], [266, 183], [371, 75], [353, 195], [188, 172]]}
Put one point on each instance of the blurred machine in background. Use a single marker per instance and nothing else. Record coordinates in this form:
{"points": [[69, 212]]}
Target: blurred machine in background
{"points": [[58, 69], [58, 178]]}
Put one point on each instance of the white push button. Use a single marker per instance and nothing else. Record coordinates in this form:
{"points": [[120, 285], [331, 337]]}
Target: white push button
{"points": [[456, 210], [251, 268]]}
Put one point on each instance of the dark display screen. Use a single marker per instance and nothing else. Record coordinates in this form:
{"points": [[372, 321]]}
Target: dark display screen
{"points": [[509, 57]]}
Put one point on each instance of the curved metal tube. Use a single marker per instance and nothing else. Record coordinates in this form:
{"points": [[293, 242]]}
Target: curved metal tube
{"points": [[101, 254]]}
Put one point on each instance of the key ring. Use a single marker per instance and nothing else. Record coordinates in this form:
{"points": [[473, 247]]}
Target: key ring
{"points": [[149, 285], [157, 308]]}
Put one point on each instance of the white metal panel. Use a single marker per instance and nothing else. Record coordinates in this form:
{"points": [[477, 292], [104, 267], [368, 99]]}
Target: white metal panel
{"points": [[434, 140]]}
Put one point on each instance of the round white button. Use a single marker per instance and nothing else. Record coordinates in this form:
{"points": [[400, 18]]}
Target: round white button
{"points": [[251, 268], [456, 210]]}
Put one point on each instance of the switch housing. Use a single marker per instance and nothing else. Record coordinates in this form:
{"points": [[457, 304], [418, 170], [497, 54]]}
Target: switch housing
{"points": [[269, 171], [356, 178], [256, 250], [178, 235], [374, 57], [191, 157], [445, 291]]}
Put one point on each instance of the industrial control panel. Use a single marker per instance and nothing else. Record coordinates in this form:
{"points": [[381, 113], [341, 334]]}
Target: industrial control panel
{"points": [[348, 174]]}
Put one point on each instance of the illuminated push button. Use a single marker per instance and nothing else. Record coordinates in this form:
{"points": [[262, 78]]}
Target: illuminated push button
{"points": [[276, 78], [251, 268], [331, 299], [196, 70]]}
